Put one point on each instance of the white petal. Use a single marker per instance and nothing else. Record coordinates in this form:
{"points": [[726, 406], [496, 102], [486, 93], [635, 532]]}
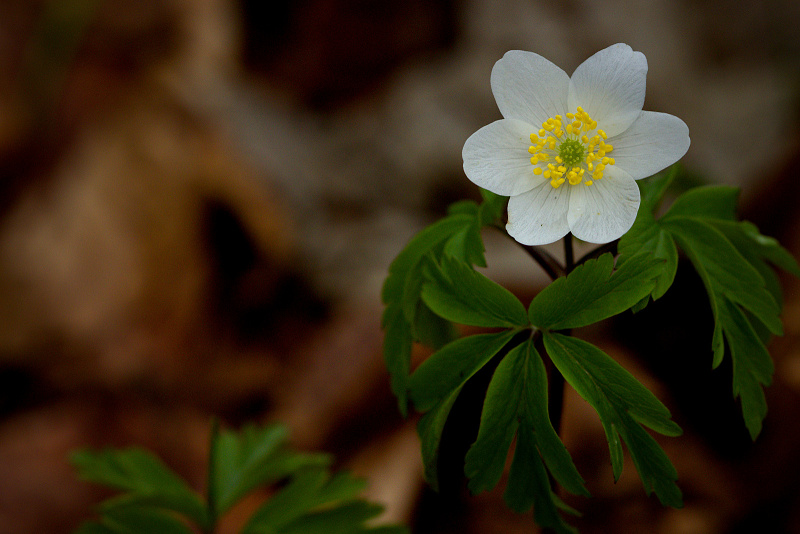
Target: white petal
{"points": [[654, 141], [610, 87], [605, 210], [496, 158], [539, 216], [528, 87]]}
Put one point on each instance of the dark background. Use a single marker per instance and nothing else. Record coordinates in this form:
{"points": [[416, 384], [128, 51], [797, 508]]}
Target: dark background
{"points": [[199, 201]]}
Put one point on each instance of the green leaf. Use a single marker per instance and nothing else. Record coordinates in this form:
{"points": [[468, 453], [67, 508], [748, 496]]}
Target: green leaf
{"points": [[451, 366], [457, 235], [463, 207], [492, 208], [623, 405], [726, 270], [397, 345], [761, 252], [251, 458], [349, 518], [528, 486], [144, 477], [430, 428], [467, 244], [309, 489], [708, 202], [592, 293], [732, 281], [431, 329], [648, 238], [420, 245], [500, 418], [652, 189], [406, 318], [735, 263], [313, 500], [752, 365], [516, 402], [458, 293], [135, 520], [316, 501], [410, 302], [436, 383], [733, 284]]}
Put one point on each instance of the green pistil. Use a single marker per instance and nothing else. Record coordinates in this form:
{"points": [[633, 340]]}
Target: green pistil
{"points": [[571, 152]]}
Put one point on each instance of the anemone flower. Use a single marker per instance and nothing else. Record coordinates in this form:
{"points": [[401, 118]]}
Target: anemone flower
{"points": [[569, 149]]}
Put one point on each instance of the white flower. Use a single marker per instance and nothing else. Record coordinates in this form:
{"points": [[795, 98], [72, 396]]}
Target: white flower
{"points": [[568, 150]]}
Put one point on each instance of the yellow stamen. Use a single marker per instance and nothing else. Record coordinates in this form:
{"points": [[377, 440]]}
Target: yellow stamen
{"points": [[575, 145]]}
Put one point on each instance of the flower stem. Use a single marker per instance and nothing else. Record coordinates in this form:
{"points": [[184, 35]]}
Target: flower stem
{"points": [[555, 380], [545, 261], [569, 254], [555, 392]]}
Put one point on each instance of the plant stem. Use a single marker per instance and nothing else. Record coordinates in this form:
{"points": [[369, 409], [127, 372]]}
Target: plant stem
{"points": [[545, 261], [569, 254], [555, 380], [555, 392]]}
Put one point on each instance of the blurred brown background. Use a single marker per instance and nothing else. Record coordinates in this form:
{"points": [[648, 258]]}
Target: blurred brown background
{"points": [[200, 200]]}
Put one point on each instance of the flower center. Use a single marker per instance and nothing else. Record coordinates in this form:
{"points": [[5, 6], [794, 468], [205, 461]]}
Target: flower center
{"points": [[574, 152], [571, 152]]}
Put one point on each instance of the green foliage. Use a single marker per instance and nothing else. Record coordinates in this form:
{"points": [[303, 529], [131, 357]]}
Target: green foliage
{"points": [[158, 501], [647, 237], [735, 263], [301, 506], [144, 479], [436, 383], [516, 406], [458, 293], [254, 457], [407, 317], [591, 293], [135, 519], [433, 284], [623, 405]]}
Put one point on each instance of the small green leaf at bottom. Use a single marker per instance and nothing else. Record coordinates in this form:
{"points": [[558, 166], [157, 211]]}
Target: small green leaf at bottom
{"points": [[135, 520], [255, 456], [144, 478]]}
